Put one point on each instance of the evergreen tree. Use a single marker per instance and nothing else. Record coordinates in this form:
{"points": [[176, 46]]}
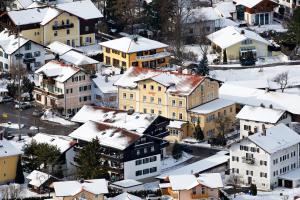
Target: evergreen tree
{"points": [[224, 56], [89, 162], [253, 190], [27, 86], [198, 134], [177, 151], [203, 66], [19, 174], [12, 90], [293, 34]]}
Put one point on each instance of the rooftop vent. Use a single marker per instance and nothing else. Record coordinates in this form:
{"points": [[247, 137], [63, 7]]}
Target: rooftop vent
{"points": [[243, 32]]}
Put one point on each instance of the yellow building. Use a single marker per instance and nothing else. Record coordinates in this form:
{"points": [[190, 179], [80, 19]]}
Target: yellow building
{"points": [[171, 95], [135, 51], [9, 157], [70, 23], [85, 189]]}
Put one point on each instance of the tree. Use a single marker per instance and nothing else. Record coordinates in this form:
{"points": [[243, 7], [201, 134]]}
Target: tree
{"points": [[223, 124], [198, 134], [177, 151], [89, 164], [234, 180], [293, 33], [39, 156], [12, 90], [203, 66], [253, 189], [27, 85], [19, 174], [282, 80]]}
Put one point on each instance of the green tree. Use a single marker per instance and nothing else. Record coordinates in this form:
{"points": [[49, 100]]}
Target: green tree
{"points": [[12, 90], [293, 33], [27, 85], [198, 134], [253, 190], [177, 151], [89, 164], [203, 66], [19, 174], [39, 156]]}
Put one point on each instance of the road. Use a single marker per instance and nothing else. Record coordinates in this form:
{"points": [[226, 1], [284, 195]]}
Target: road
{"points": [[28, 120]]}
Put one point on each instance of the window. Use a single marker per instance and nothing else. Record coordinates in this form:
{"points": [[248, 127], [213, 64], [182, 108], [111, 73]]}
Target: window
{"points": [[145, 150], [124, 95], [68, 42], [55, 34], [180, 103], [138, 173], [86, 28], [173, 115], [134, 64], [144, 86], [88, 40], [159, 112], [6, 55], [107, 50], [152, 99], [131, 96], [138, 162], [1, 54], [138, 152], [173, 103], [159, 101], [151, 87], [152, 149], [123, 64], [37, 54], [123, 55], [153, 169], [159, 88], [107, 60], [68, 31], [180, 115], [144, 98], [146, 171], [146, 160], [28, 46], [145, 110], [152, 111]]}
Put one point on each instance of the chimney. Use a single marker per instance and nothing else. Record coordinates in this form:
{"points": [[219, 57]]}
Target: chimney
{"points": [[264, 130], [243, 32]]}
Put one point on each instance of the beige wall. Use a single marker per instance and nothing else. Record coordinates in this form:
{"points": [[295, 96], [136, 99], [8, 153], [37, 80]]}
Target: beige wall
{"points": [[8, 168], [202, 193], [84, 194]]}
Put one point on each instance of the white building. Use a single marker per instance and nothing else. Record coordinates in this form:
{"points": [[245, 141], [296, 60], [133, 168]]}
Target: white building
{"points": [[253, 119], [33, 54], [261, 158]]}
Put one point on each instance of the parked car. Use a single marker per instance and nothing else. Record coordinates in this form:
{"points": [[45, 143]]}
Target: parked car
{"points": [[23, 105], [37, 113], [6, 99]]}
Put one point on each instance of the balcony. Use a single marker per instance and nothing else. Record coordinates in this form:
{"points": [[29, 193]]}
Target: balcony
{"points": [[250, 161], [62, 26], [49, 92], [153, 56], [28, 60], [199, 196], [116, 157]]}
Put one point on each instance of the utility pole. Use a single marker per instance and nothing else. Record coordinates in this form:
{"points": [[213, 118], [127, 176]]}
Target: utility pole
{"points": [[19, 84]]}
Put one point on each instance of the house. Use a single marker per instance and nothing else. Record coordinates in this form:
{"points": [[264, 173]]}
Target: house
{"points": [[129, 140], [238, 42], [104, 92], [40, 182], [84, 189], [256, 12], [188, 186], [127, 185], [125, 196], [226, 9], [9, 157], [263, 157], [169, 94], [3, 92], [72, 23], [286, 8], [254, 119], [32, 53], [135, 51], [61, 86]]}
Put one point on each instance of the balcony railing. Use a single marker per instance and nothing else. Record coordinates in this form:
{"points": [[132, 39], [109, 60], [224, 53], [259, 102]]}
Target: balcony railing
{"points": [[28, 60], [250, 161], [199, 196], [62, 26], [50, 93], [153, 56]]}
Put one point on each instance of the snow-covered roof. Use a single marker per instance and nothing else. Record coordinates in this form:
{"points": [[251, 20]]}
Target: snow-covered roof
{"points": [[226, 8], [38, 178], [63, 143], [106, 87], [293, 175], [211, 180], [202, 14], [197, 167], [77, 58], [90, 50], [59, 71], [137, 122], [256, 97], [129, 45], [59, 47], [232, 35], [71, 188], [212, 106], [9, 43], [7, 149], [260, 114], [108, 135], [248, 3], [277, 138], [179, 84], [176, 124], [25, 3], [33, 15], [183, 182], [125, 196], [127, 183], [84, 9]]}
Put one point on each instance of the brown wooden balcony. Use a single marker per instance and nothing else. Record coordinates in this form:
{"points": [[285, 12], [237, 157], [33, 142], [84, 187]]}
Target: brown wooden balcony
{"points": [[199, 196], [62, 26], [44, 92], [248, 160]]}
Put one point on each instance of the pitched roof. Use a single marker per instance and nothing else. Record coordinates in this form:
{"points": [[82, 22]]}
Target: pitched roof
{"points": [[248, 3], [7, 149], [127, 183], [232, 35], [211, 180], [125, 196], [108, 135], [129, 45], [9, 43], [59, 71], [212, 106], [71, 188], [180, 84], [106, 87], [260, 114], [225, 8], [38, 178], [137, 122], [202, 14]]}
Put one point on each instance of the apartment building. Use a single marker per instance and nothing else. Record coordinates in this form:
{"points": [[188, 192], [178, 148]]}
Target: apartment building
{"points": [[172, 95], [72, 23], [254, 119], [32, 54], [263, 157], [135, 51], [61, 86]]}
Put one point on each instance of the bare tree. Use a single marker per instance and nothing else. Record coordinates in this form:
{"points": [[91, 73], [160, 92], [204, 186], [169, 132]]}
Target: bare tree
{"points": [[282, 80], [223, 124], [234, 180], [14, 191]]}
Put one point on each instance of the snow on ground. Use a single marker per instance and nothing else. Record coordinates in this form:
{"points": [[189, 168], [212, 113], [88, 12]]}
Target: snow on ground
{"points": [[20, 144], [269, 27], [52, 117], [171, 162], [11, 125], [196, 49]]}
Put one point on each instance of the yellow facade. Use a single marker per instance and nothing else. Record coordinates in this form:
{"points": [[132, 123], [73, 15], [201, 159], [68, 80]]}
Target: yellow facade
{"points": [[126, 60], [8, 168], [84, 195]]}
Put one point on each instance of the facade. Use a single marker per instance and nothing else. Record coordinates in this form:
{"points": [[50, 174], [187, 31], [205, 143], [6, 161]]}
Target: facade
{"points": [[64, 87], [238, 43], [135, 51], [188, 187], [254, 119], [288, 6], [262, 157], [85, 189], [33, 54], [71, 23]]}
